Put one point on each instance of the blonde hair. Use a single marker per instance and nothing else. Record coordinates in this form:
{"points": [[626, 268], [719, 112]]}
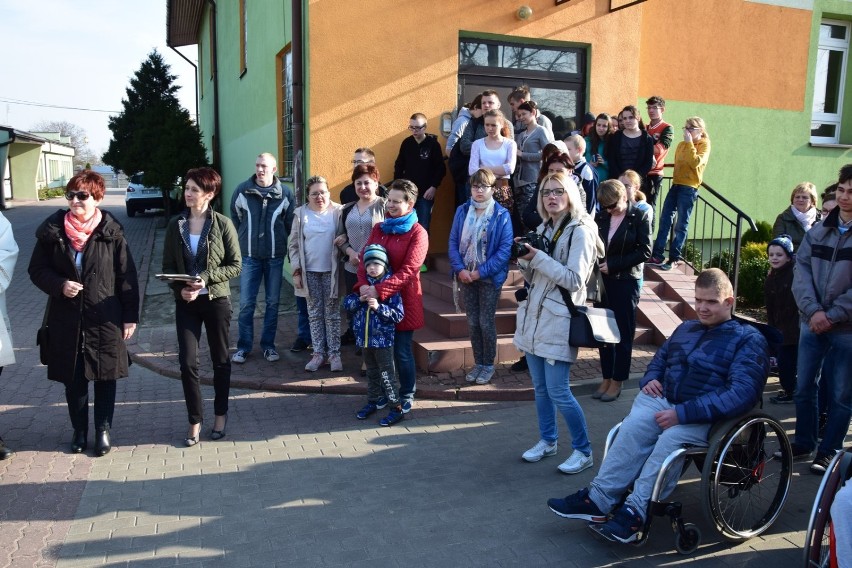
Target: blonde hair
{"points": [[698, 122], [483, 177], [716, 280], [807, 188], [575, 205], [610, 191]]}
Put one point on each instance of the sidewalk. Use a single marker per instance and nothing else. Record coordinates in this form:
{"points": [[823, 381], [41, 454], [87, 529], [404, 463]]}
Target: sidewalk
{"points": [[155, 348]]}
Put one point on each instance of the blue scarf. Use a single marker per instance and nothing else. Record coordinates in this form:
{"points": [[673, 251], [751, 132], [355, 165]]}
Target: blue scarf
{"points": [[399, 225]]}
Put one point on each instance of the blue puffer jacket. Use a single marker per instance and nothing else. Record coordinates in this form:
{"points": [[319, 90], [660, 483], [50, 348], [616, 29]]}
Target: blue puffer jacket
{"points": [[711, 373], [499, 249], [379, 330]]}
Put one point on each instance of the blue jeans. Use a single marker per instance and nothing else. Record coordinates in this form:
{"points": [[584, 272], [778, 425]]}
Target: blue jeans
{"points": [[424, 211], [270, 270], [680, 199], [552, 391], [813, 348], [404, 359], [304, 326]]}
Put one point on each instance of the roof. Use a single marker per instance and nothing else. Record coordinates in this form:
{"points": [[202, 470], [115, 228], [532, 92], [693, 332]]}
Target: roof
{"points": [[23, 136], [183, 18]]}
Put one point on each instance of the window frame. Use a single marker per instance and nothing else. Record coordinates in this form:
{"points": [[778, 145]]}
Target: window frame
{"points": [[243, 37], [284, 75], [834, 118]]}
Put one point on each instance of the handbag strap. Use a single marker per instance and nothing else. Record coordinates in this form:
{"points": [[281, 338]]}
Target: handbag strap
{"points": [[46, 311], [566, 295]]}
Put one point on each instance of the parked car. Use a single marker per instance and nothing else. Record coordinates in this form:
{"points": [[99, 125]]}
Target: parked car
{"points": [[139, 198]]}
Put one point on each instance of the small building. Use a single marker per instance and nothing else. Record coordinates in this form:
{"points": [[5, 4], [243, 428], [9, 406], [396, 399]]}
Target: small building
{"points": [[768, 76], [32, 161]]}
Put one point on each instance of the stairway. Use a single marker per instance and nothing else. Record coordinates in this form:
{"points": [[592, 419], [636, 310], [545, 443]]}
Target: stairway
{"points": [[443, 346]]}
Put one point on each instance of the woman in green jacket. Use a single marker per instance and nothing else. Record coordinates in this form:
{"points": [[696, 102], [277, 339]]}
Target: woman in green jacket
{"points": [[202, 243]]}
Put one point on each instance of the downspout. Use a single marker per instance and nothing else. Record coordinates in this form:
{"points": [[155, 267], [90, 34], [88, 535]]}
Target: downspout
{"points": [[195, 72], [298, 100], [217, 164]]}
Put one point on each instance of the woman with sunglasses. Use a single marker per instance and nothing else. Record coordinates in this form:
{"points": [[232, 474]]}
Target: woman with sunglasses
{"points": [[202, 243], [543, 320], [626, 233], [82, 262]]}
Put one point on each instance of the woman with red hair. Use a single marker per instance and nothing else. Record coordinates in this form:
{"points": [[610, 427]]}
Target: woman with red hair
{"points": [[82, 262]]}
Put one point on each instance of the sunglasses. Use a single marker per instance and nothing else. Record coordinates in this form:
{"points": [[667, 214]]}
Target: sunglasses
{"points": [[611, 207], [81, 195]]}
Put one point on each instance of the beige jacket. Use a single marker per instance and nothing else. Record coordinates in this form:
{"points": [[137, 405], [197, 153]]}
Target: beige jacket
{"points": [[296, 247]]}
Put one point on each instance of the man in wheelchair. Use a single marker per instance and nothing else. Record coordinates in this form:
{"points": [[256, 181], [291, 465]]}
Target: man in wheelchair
{"points": [[708, 370]]}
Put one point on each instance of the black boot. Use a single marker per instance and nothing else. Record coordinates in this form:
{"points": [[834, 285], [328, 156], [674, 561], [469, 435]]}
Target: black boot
{"points": [[102, 445], [79, 441], [5, 451]]}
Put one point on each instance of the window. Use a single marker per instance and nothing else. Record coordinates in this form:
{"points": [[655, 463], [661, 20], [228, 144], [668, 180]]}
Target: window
{"points": [[243, 37], [285, 95], [829, 81]]}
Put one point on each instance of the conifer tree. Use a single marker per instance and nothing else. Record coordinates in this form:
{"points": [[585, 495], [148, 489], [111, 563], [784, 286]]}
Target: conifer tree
{"points": [[153, 134]]}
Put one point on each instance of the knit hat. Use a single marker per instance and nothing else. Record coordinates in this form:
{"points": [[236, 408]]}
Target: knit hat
{"points": [[783, 241], [376, 253]]}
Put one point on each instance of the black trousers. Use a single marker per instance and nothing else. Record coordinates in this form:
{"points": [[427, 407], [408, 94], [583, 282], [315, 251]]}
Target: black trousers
{"points": [[215, 316], [622, 298], [77, 397]]}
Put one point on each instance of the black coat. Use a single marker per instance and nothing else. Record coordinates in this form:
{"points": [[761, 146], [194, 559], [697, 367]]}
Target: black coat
{"points": [[644, 161], [110, 298], [630, 245]]}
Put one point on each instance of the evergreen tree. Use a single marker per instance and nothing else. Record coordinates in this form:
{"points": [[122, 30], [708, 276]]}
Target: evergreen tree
{"points": [[153, 134]]}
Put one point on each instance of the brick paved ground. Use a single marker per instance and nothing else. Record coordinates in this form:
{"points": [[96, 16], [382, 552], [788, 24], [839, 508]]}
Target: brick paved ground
{"points": [[299, 482]]}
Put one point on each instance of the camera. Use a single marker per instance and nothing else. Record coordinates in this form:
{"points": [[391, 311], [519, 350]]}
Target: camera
{"points": [[535, 240]]}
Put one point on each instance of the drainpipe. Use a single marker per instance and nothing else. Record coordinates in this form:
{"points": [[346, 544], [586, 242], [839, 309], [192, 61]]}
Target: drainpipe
{"points": [[195, 73], [298, 97], [217, 163]]}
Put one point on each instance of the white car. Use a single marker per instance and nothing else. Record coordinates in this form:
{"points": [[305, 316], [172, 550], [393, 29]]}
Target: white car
{"points": [[139, 198]]}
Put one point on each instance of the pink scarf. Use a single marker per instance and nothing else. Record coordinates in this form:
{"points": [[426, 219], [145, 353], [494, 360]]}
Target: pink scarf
{"points": [[80, 231]]}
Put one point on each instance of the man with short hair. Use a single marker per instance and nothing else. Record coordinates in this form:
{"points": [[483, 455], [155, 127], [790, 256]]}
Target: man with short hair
{"points": [[521, 95], [662, 133], [708, 370], [587, 175], [262, 212], [420, 160], [822, 286], [476, 128], [361, 156]]}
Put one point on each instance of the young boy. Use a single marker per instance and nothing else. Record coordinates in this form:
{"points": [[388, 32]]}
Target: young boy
{"points": [[586, 173], [783, 314], [373, 323]]}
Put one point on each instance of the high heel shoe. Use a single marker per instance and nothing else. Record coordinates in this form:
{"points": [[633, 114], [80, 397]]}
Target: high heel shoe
{"points": [[79, 441], [606, 397], [192, 440], [602, 389], [102, 443], [219, 434]]}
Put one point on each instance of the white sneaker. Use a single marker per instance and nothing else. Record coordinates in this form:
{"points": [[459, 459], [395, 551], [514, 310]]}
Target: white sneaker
{"points": [[576, 463], [541, 450], [315, 363], [335, 363], [239, 356]]}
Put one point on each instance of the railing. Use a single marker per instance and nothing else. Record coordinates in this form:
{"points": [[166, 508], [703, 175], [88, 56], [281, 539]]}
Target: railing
{"points": [[715, 230]]}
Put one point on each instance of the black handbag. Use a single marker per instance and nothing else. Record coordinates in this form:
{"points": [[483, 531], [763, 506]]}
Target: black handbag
{"points": [[43, 336]]}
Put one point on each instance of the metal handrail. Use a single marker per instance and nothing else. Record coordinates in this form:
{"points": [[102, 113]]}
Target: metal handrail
{"points": [[725, 227]]}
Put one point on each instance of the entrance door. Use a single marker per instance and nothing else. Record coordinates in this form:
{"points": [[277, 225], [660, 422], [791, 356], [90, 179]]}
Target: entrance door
{"points": [[555, 76]]}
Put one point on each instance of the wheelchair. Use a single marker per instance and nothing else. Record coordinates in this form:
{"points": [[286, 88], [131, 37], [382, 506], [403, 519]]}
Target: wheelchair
{"points": [[743, 484], [819, 537]]}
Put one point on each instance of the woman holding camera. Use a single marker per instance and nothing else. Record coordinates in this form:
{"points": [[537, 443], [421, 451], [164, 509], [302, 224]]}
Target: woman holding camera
{"points": [[626, 233], [480, 246], [563, 260]]}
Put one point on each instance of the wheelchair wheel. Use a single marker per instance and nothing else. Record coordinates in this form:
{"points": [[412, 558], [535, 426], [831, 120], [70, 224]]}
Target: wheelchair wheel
{"points": [[818, 537], [743, 485], [689, 543]]}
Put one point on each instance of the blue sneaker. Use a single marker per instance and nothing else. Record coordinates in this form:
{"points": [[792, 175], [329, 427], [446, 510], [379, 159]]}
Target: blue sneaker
{"points": [[381, 403], [624, 526], [394, 416], [406, 406], [577, 506], [369, 409]]}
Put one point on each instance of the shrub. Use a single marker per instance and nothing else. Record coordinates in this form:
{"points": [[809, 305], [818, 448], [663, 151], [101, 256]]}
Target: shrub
{"points": [[723, 259], [50, 193], [692, 255], [752, 278], [753, 250], [762, 235]]}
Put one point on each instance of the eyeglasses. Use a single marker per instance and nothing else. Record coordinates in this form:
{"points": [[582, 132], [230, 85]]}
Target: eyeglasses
{"points": [[611, 207], [81, 195], [825, 211], [554, 192], [362, 162], [317, 195], [654, 107], [481, 188], [416, 128], [692, 128]]}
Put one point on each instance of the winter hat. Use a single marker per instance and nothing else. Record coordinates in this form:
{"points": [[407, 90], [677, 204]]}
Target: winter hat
{"points": [[783, 241], [376, 253]]}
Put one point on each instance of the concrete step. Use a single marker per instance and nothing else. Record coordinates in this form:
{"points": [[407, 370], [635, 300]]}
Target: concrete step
{"points": [[441, 287], [440, 264], [441, 317], [435, 353]]}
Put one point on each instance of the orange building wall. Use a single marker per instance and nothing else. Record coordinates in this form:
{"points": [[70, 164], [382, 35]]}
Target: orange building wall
{"points": [[379, 61], [725, 52]]}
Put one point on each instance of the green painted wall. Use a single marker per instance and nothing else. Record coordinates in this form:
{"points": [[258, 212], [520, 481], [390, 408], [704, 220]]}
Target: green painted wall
{"points": [[248, 105]]}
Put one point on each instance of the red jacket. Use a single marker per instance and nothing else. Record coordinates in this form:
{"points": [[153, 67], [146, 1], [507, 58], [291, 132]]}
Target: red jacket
{"points": [[406, 253]]}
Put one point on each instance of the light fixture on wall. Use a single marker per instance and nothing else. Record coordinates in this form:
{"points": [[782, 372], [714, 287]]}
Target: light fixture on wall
{"points": [[524, 13]]}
